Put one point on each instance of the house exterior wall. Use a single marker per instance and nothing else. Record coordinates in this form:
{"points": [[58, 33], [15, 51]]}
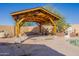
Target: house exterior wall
{"points": [[76, 28]]}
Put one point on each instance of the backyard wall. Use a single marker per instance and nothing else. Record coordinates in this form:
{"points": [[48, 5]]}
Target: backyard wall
{"points": [[7, 28], [23, 29], [27, 29]]}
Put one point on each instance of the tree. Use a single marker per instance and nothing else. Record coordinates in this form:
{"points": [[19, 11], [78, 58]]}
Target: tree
{"points": [[28, 24], [51, 9], [61, 24]]}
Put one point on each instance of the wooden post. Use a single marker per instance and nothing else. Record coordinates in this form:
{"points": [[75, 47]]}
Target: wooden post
{"points": [[17, 27], [54, 29], [40, 27]]}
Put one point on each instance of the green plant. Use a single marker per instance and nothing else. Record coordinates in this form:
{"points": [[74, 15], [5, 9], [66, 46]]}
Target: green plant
{"points": [[74, 42], [28, 24], [61, 24]]}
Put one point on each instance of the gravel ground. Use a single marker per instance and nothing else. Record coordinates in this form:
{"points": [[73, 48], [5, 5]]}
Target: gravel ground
{"points": [[38, 46]]}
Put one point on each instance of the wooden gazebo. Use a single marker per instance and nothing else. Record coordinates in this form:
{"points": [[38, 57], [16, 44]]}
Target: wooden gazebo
{"points": [[39, 15]]}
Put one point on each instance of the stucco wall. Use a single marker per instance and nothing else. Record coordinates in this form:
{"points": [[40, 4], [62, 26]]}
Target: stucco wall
{"points": [[8, 28], [11, 29], [25, 29], [76, 27]]}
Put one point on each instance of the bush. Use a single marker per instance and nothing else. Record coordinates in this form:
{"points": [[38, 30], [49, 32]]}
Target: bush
{"points": [[74, 42]]}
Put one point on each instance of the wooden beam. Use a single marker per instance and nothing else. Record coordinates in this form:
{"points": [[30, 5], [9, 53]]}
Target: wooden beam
{"points": [[21, 20], [34, 19], [54, 27]]}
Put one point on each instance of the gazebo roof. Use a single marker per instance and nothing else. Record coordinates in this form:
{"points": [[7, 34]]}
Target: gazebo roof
{"points": [[42, 15]]}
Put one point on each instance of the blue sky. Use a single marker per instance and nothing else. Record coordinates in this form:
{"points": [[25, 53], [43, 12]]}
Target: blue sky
{"points": [[69, 11]]}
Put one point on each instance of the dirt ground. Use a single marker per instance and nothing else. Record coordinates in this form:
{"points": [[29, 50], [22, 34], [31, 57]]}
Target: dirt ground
{"points": [[38, 46]]}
